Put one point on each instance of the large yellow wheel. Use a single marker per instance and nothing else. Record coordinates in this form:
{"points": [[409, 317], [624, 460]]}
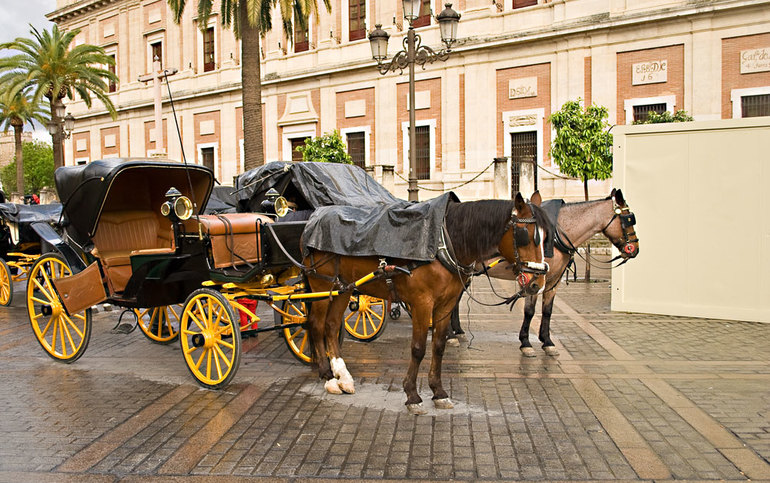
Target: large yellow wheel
{"points": [[160, 324], [211, 339], [365, 319], [297, 338], [63, 336], [6, 284]]}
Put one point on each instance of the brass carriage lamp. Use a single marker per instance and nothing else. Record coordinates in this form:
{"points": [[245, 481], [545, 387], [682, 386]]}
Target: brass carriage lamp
{"points": [[274, 203], [176, 206]]}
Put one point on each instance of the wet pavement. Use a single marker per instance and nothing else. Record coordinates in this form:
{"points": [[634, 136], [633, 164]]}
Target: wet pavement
{"points": [[631, 397]]}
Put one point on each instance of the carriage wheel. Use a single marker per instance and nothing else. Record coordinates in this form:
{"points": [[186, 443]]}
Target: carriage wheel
{"points": [[160, 324], [207, 326], [63, 336], [366, 318], [297, 338], [6, 284]]}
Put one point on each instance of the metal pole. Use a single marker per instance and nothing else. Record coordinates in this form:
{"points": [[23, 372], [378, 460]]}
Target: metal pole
{"points": [[410, 54], [159, 148]]}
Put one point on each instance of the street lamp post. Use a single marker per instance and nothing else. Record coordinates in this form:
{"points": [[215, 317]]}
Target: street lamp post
{"points": [[414, 53], [60, 127]]}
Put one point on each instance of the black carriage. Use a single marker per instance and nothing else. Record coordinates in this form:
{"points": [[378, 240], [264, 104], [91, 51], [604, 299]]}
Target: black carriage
{"points": [[20, 241], [134, 236]]}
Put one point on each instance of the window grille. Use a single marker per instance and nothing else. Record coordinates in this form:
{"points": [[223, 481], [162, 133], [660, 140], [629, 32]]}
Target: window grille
{"points": [[422, 142], [208, 50], [356, 142], [755, 106], [642, 113], [357, 16], [523, 150]]}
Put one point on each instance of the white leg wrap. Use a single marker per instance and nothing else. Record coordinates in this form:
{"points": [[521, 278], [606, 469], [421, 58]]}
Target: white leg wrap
{"points": [[332, 387]]}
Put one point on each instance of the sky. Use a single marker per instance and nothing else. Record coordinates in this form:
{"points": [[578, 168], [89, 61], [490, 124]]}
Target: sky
{"points": [[15, 17]]}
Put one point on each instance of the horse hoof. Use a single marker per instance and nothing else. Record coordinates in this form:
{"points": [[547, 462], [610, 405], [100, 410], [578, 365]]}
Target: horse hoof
{"points": [[347, 385], [453, 342], [332, 387], [443, 403], [528, 352], [551, 351], [416, 409]]}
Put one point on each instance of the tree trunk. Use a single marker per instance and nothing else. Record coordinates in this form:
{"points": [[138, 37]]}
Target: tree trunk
{"points": [[588, 242], [18, 127], [57, 138], [251, 92]]}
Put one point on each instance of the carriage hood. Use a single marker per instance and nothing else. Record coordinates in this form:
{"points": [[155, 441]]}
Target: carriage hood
{"points": [[48, 213], [88, 190], [311, 185]]}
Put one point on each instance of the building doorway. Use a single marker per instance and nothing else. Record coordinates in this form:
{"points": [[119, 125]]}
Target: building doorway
{"points": [[207, 157], [296, 156]]}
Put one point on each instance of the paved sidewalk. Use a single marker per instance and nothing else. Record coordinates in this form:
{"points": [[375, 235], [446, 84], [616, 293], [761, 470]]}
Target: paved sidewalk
{"points": [[631, 397]]}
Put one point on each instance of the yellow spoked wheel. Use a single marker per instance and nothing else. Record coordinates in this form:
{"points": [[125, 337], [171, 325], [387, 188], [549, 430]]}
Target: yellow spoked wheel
{"points": [[211, 352], [6, 284], [160, 324], [63, 336], [297, 338], [366, 317]]}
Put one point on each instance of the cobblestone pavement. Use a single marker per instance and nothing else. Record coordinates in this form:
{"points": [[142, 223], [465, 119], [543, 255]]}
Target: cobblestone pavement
{"points": [[631, 397]]}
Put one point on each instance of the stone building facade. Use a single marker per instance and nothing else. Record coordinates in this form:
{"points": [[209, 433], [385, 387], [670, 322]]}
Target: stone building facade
{"points": [[516, 61]]}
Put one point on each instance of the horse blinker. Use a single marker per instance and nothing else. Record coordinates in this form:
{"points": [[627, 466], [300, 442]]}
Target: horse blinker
{"points": [[522, 236]]}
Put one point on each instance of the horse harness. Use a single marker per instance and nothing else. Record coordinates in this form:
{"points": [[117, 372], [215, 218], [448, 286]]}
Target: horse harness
{"points": [[627, 221]]}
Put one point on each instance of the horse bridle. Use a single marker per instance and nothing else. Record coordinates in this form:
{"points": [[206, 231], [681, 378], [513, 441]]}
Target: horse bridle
{"points": [[521, 238], [627, 221]]}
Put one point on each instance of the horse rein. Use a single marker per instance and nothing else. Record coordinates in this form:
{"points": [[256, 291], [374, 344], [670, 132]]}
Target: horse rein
{"points": [[520, 237]]}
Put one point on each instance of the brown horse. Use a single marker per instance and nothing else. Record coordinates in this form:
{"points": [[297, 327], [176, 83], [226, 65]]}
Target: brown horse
{"points": [[477, 230], [577, 223]]}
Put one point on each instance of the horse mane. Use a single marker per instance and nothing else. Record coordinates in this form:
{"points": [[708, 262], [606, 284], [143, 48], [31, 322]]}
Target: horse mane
{"points": [[476, 227]]}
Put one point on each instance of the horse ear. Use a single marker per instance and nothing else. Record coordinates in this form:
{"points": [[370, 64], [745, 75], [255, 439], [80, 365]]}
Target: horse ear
{"points": [[619, 197], [536, 198], [519, 203]]}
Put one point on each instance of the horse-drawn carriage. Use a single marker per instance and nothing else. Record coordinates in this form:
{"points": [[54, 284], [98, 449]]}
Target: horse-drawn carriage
{"points": [[20, 243], [134, 236]]}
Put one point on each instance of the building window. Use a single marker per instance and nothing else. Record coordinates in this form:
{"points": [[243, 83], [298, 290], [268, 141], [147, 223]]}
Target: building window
{"points": [[157, 52], [208, 50], [424, 18], [755, 106], [523, 3], [357, 16], [296, 156], [301, 43], [642, 113], [422, 146], [112, 68], [356, 142], [207, 157], [523, 150]]}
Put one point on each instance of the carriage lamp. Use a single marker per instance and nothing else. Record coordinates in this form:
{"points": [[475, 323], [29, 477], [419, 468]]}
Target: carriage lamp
{"points": [[181, 206], [414, 53], [274, 203]]}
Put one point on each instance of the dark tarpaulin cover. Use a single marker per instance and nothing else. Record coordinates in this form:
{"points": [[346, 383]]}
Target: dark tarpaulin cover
{"points": [[399, 230], [221, 201], [354, 214], [317, 184], [22, 214]]}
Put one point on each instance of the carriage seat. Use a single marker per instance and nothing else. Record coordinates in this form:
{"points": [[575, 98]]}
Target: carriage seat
{"points": [[122, 234], [234, 237]]}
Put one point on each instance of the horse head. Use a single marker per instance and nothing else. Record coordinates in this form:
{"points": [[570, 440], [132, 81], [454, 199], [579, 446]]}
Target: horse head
{"points": [[522, 245], [620, 230]]}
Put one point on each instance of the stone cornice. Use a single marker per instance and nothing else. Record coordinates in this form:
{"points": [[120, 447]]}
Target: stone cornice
{"points": [[76, 9]]}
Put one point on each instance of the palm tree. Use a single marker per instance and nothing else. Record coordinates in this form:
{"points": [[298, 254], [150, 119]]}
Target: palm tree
{"points": [[258, 15], [15, 111], [55, 69]]}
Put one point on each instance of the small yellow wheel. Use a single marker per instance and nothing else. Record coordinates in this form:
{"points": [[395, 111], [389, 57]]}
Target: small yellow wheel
{"points": [[297, 338], [63, 336], [6, 284], [210, 350], [160, 324], [366, 317]]}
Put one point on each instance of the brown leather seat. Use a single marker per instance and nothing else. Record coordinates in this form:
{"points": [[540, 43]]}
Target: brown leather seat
{"points": [[234, 239], [124, 233]]}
